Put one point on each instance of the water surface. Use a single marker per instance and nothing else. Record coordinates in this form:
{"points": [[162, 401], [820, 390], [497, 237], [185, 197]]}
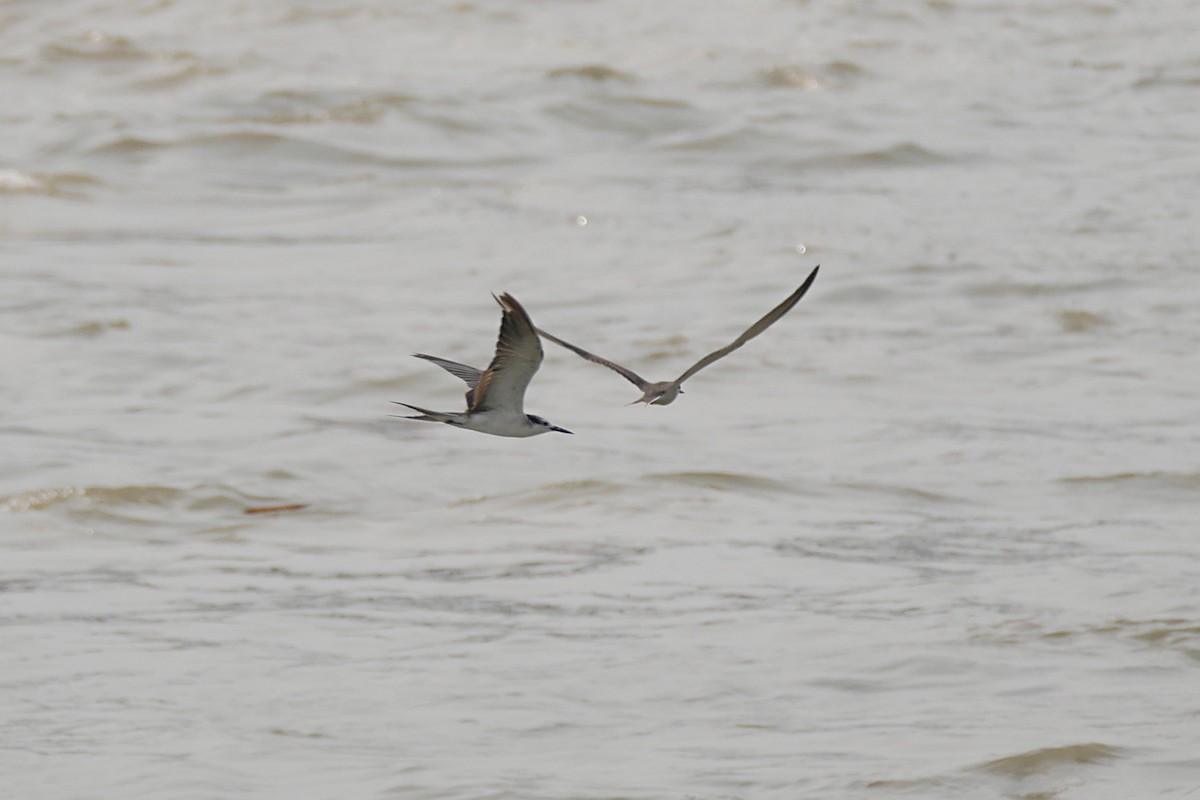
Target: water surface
{"points": [[933, 535]]}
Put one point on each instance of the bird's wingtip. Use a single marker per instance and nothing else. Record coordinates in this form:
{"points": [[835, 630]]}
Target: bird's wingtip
{"points": [[504, 300]]}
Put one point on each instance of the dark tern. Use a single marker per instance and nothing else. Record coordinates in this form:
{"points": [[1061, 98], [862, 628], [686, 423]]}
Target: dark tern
{"points": [[663, 393], [496, 395]]}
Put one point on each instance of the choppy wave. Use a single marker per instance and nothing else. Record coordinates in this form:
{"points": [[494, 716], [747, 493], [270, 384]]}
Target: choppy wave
{"points": [[739, 140], [138, 504], [295, 107], [861, 293], [1011, 288], [1174, 480], [634, 493], [181, 76], [592, 72], [1176, 634], [97, 45], [832, 75], [269, 147], [1074, 321], [897, 490], [1167, 79], [1161, 485], [1049, 759], [92, 328], [725, 482], [568, 494], [66, 184], [933, 546], [545, 562], [769, 147], [901, 155], [630, 115], [245, 143]]}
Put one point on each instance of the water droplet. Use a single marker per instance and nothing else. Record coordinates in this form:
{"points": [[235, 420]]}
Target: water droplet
{"points": [[581, 220]]}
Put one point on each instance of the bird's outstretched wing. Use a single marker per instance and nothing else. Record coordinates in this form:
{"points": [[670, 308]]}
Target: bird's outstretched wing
{"points": [[767, 321], [518, 356], [468, 374], [628, 374]]}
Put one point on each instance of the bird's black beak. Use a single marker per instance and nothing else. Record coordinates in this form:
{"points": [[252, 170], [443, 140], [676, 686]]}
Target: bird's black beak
{"points": [[561, 430]]}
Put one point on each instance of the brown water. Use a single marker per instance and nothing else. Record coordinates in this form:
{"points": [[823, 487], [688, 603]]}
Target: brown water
{"points": [[933, 535]]}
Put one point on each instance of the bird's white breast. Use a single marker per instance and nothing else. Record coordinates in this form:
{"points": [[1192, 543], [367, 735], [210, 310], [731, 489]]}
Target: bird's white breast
{"points": [[499, 423]]}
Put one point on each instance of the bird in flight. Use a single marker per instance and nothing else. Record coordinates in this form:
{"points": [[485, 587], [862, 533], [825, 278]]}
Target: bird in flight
{"points": [[496, 395], [662, 393]]}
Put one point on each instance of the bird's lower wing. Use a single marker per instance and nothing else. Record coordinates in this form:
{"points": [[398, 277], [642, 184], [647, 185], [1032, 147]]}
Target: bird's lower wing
{"points": [[468, 374], [769, 319], [628, 374]]}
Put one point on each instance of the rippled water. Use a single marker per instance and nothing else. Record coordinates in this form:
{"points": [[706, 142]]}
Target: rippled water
{"points": [[933, 535]]}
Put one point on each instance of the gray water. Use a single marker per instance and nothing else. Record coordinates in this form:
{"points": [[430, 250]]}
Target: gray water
{"points": [[931, 536]]}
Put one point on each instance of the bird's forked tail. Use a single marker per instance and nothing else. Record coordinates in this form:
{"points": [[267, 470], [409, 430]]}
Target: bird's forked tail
{"points": [[427, 415]]}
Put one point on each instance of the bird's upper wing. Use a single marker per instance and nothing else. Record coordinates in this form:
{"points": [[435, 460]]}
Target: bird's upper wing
{"points": [[468, 374], [628, 374], [518, 356], [754, 330]]}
